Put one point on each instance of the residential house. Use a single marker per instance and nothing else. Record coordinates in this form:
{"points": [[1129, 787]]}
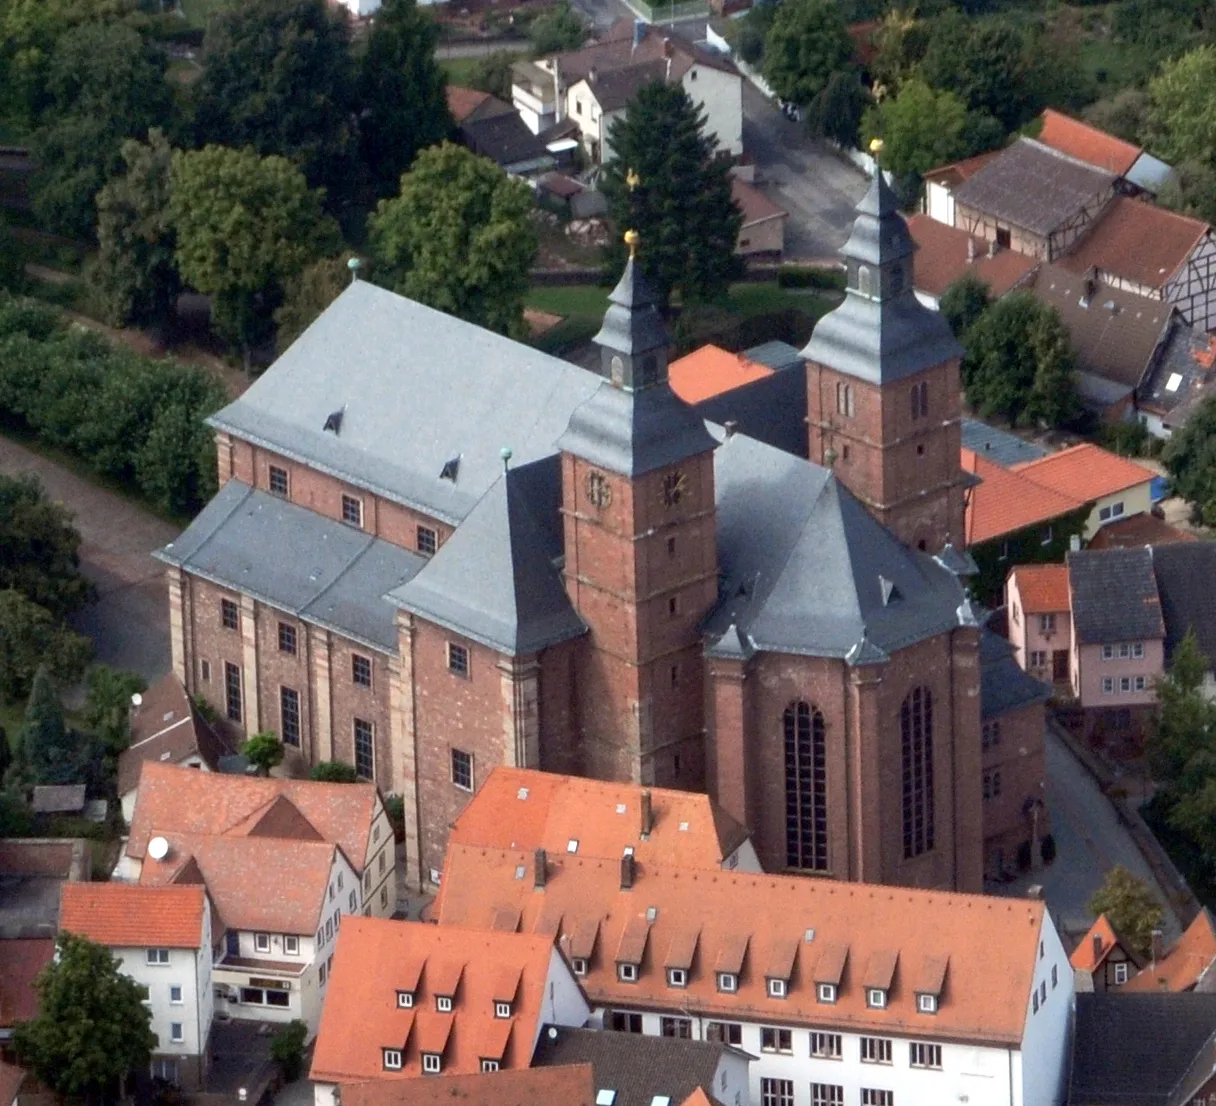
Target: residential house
{"points": [[11, 1080], [520, 808], [494, 129], [1040, 622], [710, 371], [1153, 1050], [161, 937], [166, 727], [534, 95], [762, 235], [573, 1085], [1180, 377], [1104, 957], [842, 993], [1115, 486], [599, 99], [409, 999], [1186, 965], [1118, 642], [945, 254]]}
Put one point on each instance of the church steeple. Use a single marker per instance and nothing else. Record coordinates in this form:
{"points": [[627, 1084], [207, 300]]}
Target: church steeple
{"points": [[633, 340]]}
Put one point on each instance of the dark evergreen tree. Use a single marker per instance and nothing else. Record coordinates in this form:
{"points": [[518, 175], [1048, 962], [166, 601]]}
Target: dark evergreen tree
{"points": [[837, 111], [47, 745], [1190, 456], [807, 43], [401, 92], [964, 302], [665, 182]]}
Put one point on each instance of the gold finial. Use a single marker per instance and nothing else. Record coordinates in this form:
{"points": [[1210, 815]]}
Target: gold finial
{"points": [[632, 180], [876, 148], [632, 238]]}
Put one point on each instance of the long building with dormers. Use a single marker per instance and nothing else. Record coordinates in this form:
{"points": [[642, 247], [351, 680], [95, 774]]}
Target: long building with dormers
{"points": [[436, 550]]}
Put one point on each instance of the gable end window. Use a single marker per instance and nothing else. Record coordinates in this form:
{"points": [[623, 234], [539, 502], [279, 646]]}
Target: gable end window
{"points": [[230, 617], [277, 481], [458, 659]]}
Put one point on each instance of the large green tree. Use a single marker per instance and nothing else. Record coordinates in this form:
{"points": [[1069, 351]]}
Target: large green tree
{"points": [[679, 202], [308, 294], [52, 752], [278, 76], [32, 638], [401, 92], [964, 302], [245, 225], [920, 129], [92, 1028], [39, 547], [806, 44], [1182, 108], [459, 237], [135, 277], [559, 28], [837, 111], [1130, 906], [1190, 457]]}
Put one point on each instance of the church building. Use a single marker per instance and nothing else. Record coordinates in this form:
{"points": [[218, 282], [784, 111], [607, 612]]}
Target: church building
{"points": [[436, 550]]}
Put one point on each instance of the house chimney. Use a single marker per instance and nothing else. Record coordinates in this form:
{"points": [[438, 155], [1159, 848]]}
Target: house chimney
{"points": [[1034, 891], [540, 868], [647, 814], [1155, 948], [730, 426], [639, 32], [1097, 945], [971, 250], [628, 871], [1074, 543]]}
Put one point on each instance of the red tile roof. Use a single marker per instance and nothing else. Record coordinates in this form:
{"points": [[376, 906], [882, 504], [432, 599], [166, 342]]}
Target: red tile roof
{"points": [[462, 102], [570, 1085], [1095, 946], [376, 957], [1187, 959], [710, 371], [1086, 472], [1088, 144], [942, 258], [124, 915], [20, 962], [1138, 242], [1006, 501], [1126, 533], [956, 172], [755, 205], [1043, 588], [184, 800], [749, 918]]}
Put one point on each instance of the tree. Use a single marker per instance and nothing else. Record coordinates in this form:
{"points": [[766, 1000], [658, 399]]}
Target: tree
{"points": [[264, 751], [51, 753], [1182, 110], [30, 638], [920, 129], [287, 1049], [1125, 115], [964, 302], [1191, 190], [837, 111], [333, 771], [278, 77], [401, 92], [806, 44], [107, 708], [1129, 906], [900, 42], [245, 225], [681, 205], [92, 1028], [560, 28], [748, 34], [310, 293], [135, 277], [1190, 457], [492, 74], [458, 237], [39, 548]]}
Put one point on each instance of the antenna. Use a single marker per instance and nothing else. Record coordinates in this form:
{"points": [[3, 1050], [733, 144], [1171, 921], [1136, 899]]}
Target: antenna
{"points": [[158, 848]]}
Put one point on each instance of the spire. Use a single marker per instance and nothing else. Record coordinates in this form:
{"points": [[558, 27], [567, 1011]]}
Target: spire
{"points": [[633, 340]]}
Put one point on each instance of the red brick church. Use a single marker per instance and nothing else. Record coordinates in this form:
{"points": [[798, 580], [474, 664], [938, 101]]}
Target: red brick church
{"points": [[435, 550]]}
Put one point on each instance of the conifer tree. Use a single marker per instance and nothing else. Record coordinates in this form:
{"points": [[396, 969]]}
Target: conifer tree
{"points": [[45, 743]]}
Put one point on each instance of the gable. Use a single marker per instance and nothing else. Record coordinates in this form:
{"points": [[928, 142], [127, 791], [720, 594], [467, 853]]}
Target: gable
{"points": [[283, 819]]}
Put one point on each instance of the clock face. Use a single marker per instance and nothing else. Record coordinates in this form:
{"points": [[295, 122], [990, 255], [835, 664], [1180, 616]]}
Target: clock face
{"points": [[599, 491], [675, 484]]}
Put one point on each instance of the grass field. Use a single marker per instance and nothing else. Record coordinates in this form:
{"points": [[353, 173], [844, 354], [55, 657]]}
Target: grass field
{"points": [[459, 70]]}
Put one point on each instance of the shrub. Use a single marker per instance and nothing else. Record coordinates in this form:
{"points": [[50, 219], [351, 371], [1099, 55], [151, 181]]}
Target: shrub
{"points": [[333, 771], [394, 807], [797, 276], [287, 1049]]}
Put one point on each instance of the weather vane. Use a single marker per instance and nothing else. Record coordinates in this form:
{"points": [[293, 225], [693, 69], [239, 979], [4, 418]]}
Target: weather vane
{"points": [[632, 238], [632, 180]]}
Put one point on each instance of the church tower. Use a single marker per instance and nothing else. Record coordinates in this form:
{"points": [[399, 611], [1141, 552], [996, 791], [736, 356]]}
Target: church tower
{"points": [[883, 386], [640, 552]]}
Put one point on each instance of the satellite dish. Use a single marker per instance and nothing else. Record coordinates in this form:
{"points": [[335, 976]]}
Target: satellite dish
{"points": [[553, 1032], [158, 848], [137, 699]]}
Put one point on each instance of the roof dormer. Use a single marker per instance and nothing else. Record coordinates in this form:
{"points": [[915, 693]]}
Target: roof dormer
{"points": [[879, 977], [632, 950], [828, 971], [780, 969], [679, 958], [930, 981], [729, 964]]}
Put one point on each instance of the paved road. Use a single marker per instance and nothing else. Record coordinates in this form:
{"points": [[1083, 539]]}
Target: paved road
{"points": [[818, 188], [1089, 840], [129, 623]]}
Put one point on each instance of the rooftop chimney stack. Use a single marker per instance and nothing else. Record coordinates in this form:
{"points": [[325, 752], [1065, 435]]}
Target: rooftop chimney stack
{"points": [[971, 250], [1097, 945], [628, 871], [540, 868], [1156, 945], [647, 814]]}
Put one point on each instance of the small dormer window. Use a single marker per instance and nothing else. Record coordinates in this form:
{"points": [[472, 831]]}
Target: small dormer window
{"points": [[392, 1059], [728, 982], [926, 1004], [776, 988], [432, 1063], [626, 972], [826, 992], [677, 977], [876, 998], [489, 1065], [502, 1009], [579, 964], [443, 1003], [405, 1000]]}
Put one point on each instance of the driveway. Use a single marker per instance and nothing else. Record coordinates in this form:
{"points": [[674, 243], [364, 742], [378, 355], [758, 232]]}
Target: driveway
{"points": [[129, 623], [817, 187], [1090, 841]]}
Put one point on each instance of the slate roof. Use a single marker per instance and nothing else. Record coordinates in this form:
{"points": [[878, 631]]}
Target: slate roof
{"points": [[805, 567], [1033, 187], [772, 409], [616, 87], [58, 798], [881, 339], [1004, 687], [505, 140], [513, 600], [1186, 573], [387, 362], [124, 915], [1133, 1049], [777, 355], [998, 446], [1182, 370], [616, 50], [1114, 596], [639, 1068], [323, 571]]}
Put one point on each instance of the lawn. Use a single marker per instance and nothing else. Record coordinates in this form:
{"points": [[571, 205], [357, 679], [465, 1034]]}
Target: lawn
{"points": [[459, 71]]}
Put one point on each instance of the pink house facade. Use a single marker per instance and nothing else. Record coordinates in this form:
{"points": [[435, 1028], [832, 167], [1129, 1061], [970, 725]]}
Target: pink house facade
{"points": [[1040, 623]]}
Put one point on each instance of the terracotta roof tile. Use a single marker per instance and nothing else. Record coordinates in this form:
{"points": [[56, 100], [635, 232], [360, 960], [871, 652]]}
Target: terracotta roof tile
{"points": [[1138, 242], [582, 939], [697, 1098], [462, 102], [755, 205], [124, 915], [361, 1016], [187, 801], [524, 809], [1006, 501], [506, 920], [734, 907], [880, 969], [931, 977], [1085, 472], [710, 371], [683, 949], [829, 967], [1142, 529], [1043, 588], [506, 983], [21, 960], [1184, 963], [956, 172], [1088, 144], [781, 957], [1095, 946], [571, 1085], [632, 946], [942, 258]]}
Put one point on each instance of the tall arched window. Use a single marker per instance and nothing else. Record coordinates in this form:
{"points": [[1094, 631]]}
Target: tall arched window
{"points": [[806, 788], [920, 400], [916, 736]]}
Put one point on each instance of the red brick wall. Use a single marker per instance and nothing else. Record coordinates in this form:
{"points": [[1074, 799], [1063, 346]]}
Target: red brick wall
{"points": [[277, 670], [1019, 758], [210, 642], [350, 701]]}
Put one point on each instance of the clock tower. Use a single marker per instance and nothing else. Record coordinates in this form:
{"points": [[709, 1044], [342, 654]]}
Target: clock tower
{"points": [[640, 553]]}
